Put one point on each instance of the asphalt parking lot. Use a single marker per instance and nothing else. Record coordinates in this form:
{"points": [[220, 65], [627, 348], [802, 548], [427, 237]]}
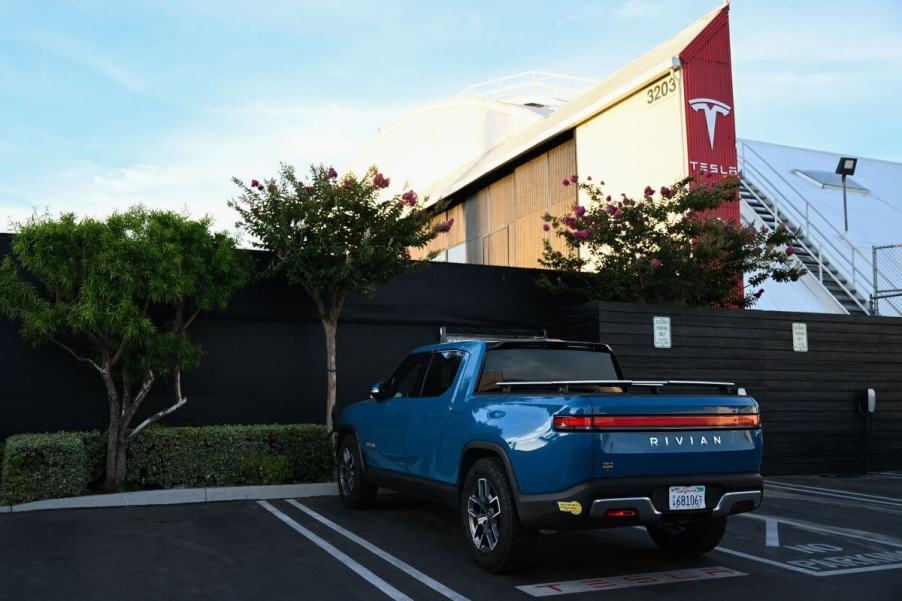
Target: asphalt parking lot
{"points": [[814, 537]]}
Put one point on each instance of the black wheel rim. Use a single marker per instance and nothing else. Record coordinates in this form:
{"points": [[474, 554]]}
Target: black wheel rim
{"points": [[346, 471], [483, 511]]}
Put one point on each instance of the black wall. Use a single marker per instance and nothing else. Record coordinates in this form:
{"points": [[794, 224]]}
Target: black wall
{"points": [[808, 399], [265, 358], [265, 361]]}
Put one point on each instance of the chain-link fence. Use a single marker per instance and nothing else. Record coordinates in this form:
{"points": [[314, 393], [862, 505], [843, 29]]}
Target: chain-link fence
{"points": [[886, 298]]}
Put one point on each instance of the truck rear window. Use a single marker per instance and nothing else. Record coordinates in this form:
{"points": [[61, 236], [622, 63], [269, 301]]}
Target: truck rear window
{"points": [[544, 364]]}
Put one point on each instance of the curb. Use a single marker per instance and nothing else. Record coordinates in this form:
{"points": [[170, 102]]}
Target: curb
{"points": [[179, 496]]}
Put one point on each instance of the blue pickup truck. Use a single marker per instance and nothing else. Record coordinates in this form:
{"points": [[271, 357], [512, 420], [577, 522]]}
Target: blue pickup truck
{"points": [[523, 435]]}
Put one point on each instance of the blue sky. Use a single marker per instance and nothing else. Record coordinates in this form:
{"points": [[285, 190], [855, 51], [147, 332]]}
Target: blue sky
{"points": [[108, 103]]}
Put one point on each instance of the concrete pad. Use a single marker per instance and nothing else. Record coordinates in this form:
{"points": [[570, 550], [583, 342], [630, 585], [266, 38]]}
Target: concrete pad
{"points": [[278, 491], [180, 496], [175, 496], [112, 500]]}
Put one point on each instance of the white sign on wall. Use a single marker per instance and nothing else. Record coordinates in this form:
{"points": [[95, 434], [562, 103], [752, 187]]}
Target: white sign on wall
{"points": [[661, 327], [800, 337]]}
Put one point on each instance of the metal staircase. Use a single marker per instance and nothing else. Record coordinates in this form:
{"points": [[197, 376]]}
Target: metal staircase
{"points": [[807, 252]]}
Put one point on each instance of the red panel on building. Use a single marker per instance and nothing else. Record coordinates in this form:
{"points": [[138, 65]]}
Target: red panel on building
{"points": [[710, 114]]}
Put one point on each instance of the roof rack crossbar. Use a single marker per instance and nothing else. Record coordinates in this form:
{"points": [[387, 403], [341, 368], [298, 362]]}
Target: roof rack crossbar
{"points": [[565, 384]]}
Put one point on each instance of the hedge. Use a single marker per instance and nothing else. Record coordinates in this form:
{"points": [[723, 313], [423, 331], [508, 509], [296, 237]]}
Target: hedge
{"points": [[229, 455], [42, 466]]}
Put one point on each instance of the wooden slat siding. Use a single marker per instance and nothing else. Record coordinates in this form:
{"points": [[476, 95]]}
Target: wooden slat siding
{"points": [[503, 196], [531, 181], [808, 400], [458, 233], [561, 165], [496, 247]]}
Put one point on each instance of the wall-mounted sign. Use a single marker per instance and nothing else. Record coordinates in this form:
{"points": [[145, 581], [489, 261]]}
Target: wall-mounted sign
{"points": [[661, 327], [800, 337]]}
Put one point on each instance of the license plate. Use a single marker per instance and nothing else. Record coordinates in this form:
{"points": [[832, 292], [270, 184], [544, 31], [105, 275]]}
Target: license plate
{"points": [[687, 497]]}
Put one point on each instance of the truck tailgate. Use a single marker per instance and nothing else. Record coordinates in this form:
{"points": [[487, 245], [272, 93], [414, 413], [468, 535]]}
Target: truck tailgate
{"points": [[647, 435]]}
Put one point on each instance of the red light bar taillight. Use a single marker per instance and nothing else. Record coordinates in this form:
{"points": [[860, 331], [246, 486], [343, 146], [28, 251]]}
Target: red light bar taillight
{"points": [[645, 422]]}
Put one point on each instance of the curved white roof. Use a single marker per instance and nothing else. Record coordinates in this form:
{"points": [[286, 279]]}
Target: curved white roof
{"points": [[439, 137]]}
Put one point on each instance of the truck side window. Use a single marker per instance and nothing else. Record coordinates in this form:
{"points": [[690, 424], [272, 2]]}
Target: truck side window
{"points": [[405, 382], [442, 372]]}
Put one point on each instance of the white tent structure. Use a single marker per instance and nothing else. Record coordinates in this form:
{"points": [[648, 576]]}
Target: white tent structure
{"points": [[798, 187]]}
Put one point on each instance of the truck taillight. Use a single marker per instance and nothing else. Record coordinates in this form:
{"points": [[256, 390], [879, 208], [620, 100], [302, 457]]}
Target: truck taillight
{"points": [[646, 422]]}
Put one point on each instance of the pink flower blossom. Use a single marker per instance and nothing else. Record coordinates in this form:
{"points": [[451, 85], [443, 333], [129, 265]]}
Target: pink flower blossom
{"points": [[581, 234], [565, 182], [617, 212], [546, 227], [254, 183], [574, 179], [380, 181], [608, 198], [611, 209], [445, 226], [410, 197], [764, 229], [308, 189], [649, 191], [332, 173], [790, 249], [579, 211], [656, 262], [570, 221], [666, 192]]}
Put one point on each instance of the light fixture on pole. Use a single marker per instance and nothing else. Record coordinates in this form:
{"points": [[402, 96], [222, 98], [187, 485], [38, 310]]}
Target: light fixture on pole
{"points": [[846, 167]]}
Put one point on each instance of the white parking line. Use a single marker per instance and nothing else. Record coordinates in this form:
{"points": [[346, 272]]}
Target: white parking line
{"points": [[857, 534], [361, 571], [398, 563], [838, 490], [771, 533], [874, 499]]}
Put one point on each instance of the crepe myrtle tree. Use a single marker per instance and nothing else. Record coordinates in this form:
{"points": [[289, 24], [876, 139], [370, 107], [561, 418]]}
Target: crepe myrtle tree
{"points": [[119, 295], [333, 237], [666, 247]]}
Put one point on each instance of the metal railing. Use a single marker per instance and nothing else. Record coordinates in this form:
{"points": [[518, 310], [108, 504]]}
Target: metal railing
{"points": [[829, 247], [887, 261], [531, 83]]}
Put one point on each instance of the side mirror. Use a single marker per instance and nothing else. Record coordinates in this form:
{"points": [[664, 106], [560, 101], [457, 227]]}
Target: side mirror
{"points": [[376, 391]]}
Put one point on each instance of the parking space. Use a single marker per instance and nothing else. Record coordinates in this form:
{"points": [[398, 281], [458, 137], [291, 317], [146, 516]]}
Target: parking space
{"points": [[822, 537]]}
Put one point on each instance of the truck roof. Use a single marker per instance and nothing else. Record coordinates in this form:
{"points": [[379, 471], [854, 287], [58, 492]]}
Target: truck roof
{"points": [[472, 344]]}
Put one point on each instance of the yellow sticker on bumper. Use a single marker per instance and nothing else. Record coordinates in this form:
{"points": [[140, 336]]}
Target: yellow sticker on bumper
{"points": [[570, 507]]}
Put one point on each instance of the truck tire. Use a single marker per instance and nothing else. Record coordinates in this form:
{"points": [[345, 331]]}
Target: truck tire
{"points": [[494, 535], [355, 492], [689, 540]]}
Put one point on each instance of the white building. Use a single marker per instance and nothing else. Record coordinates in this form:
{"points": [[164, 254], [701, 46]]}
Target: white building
{"points": [[497, 152]]}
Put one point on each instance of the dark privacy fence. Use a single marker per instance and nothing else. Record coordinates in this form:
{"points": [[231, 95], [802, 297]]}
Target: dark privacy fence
{"points": [[809, 400], [264, 360]]}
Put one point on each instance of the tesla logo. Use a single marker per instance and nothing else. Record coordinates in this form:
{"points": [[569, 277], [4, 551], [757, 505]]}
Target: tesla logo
{"points": [[712, 108]]}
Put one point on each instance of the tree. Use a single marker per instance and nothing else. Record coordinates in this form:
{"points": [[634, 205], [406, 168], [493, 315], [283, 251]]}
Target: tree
{"points": [[334, 237], [666, 248], [119, 295]]}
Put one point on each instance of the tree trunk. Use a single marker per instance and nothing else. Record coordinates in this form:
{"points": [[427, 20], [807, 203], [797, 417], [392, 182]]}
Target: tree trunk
{"points": [[330, 327], [113, 438]]}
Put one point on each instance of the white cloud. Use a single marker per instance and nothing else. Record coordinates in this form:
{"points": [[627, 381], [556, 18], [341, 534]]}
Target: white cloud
{"points": [[638, 9], [192, 169], [80, 53]]}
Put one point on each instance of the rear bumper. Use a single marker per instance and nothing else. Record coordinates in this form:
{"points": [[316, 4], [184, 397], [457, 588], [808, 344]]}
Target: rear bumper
{"points": [[587, 505]]}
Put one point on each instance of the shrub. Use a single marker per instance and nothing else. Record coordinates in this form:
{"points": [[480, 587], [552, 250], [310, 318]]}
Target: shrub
{"points": [[44, 466], [229, 455]]}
